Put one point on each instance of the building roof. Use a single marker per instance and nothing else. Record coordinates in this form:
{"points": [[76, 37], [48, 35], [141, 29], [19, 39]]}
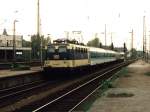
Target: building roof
{"points": [[5, 32]]}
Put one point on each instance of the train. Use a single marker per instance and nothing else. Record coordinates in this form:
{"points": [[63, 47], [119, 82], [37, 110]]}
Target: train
{"points": [[62, 56]]}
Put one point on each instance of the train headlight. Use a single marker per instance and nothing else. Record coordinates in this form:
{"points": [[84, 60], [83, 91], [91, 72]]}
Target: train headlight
{"points": [[56, 57]]}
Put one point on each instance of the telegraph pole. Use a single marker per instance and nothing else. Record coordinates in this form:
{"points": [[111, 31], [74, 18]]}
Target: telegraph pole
{"points": [[105, 36], [111, 38], [38, 32], [144, 41], [14, 42], [149, 48], [131, 41], [38, 18]]}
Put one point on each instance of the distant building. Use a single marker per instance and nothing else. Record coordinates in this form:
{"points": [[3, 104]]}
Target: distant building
{"points": [[6, 47], [7, 40]]}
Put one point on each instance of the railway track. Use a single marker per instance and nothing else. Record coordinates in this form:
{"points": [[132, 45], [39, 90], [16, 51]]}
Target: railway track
{"points": [[7, 65], [18, 92], [69, 98], [14, 89]]}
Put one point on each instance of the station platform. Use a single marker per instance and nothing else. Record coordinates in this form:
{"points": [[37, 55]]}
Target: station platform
{"points": [[131, 92], [10, 73]]}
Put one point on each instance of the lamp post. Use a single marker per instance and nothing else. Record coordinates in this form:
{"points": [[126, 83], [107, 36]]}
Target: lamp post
{"points": [[39, 32], [30, 47], [14, 42], [131, 42], [105, 36], [49, 35]]}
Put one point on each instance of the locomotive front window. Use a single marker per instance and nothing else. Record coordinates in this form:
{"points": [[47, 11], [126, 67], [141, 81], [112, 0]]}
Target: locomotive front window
{"points": [[51, 49], [62, 49]]}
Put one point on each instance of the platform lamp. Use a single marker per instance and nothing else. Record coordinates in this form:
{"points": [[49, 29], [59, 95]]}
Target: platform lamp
{"points": [[30, 47], [14, 42]]}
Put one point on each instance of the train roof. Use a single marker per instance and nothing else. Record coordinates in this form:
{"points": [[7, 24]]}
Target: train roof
{"points": [[93, 49]]}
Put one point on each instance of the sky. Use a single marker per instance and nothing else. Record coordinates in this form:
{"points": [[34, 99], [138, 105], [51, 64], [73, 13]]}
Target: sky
{"points": [[88, 16]]}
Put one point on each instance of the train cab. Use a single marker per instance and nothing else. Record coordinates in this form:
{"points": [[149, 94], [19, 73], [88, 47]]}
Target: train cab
{"points": [[64, 56]]}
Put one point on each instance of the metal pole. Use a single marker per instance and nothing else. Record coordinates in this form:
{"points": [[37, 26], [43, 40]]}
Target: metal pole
{"points": [[38, 18], [38, 32], [30, 47], [132, 40], [144, 37], [149, 48], [14, 44], [41, 52], [105, 36], [111, 37]]}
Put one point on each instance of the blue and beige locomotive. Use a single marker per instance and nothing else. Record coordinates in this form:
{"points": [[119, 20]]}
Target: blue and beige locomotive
{"points": [[70, 56]]}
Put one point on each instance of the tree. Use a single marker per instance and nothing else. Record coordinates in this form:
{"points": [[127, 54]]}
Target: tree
{"points": [[124, 48], [100, 45], [36, 45], [133, 53], [46, 41], [94, 42], [26, 43], [112, 46], [5, 32]]}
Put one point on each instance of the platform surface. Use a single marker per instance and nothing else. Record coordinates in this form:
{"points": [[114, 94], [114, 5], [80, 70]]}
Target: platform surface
{"points": [[10, 73], [135, 82]]}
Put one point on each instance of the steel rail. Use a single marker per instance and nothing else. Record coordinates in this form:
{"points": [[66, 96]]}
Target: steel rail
{"points": [[20, 92], [19, 86], [47, 104]]}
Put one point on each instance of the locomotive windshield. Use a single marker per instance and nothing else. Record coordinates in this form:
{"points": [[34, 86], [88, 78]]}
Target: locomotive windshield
{"points": [[51, 49], [58, 52], [62, 49]]}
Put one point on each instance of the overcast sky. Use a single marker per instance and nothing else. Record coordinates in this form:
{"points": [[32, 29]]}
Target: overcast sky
{"points": [[89, 16]]}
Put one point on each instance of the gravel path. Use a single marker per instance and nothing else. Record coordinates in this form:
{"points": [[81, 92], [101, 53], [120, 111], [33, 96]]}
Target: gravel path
{"points": [[137, 83]]}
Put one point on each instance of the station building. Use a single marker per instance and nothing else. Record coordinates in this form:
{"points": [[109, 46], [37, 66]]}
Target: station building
{"points": [[6, 48]]}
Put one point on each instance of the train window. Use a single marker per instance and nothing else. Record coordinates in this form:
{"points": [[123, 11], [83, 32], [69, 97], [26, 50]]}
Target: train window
{"points": [[79, 50], [85, 50], [82, 50], [51, 49], [62, 49], [76, 49]]}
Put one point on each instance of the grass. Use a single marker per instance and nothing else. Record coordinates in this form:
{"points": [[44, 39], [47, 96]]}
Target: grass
{"points": [[20, 67], [147, 73], [127, 75], [87, 104], [106, 85], [117, 95], [124, 73]]}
